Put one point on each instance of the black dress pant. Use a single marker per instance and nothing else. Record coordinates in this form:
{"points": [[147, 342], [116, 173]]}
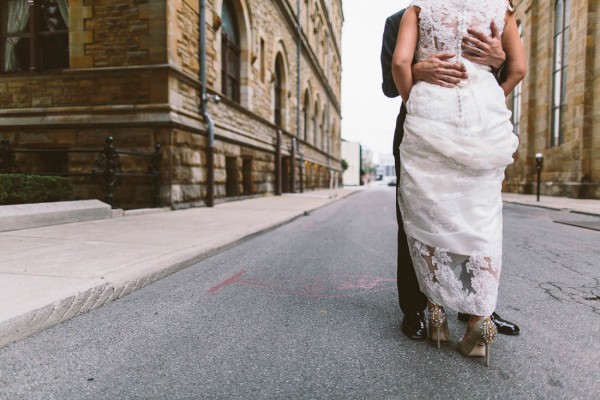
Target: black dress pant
{"points": [[409, 295]]}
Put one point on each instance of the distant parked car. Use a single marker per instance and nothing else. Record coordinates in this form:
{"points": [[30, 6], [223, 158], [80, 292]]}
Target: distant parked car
{"points": [[392, 182]]}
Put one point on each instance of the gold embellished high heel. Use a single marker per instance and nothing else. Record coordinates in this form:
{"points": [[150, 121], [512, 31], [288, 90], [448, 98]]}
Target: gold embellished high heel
{"points": [[477, 342], [438, 325]]}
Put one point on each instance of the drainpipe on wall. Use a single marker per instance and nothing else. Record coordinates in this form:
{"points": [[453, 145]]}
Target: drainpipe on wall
{"points": [[299, 51], [210, 161], [293, 166], [278, 164]]}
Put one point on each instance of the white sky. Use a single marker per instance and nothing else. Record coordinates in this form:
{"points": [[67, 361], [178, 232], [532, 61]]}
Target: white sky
{"points": [[368, 116]]}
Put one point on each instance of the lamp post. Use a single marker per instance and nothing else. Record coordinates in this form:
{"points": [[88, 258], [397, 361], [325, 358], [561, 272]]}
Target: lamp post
{"points": [[539, 162]]}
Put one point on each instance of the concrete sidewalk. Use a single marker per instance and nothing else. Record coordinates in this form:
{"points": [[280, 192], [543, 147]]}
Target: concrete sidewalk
{"points": [[53, 273], [580, 206]]}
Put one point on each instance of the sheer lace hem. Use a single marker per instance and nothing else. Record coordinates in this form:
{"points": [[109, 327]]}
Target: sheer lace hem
{"points": [[465, 283]]}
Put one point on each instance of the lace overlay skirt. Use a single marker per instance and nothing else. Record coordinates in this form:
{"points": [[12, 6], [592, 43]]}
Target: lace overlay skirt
{"points": [[456, 146]]}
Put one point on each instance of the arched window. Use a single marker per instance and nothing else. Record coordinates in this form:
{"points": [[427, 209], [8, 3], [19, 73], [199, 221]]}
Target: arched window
{"points": [[307, 17], [331, 139], [317, 48], [322, 129], [306, 117], [279, 90], [230, 53], [516, 96], [314, 120], [559, 68], [34, 35]]}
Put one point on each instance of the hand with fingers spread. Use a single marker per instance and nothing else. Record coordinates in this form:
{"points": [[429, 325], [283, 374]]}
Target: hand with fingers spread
{"points": [[483, 49], [439, 71]]}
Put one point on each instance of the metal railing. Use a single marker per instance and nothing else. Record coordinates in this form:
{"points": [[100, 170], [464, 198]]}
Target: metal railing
{"points": [[107, 165]]}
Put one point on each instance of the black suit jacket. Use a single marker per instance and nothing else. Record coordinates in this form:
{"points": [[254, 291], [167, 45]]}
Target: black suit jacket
{"points": [[390, 34]]}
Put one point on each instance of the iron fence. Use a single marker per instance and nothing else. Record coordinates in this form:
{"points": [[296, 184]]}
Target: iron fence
{"points": [[107, 167]]}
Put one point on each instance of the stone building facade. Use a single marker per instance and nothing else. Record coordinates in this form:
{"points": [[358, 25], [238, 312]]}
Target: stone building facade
{"points": [[131, 69], [556, 109]]}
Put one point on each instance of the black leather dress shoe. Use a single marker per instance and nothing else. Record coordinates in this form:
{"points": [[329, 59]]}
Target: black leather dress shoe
{"points": [[413, 325], [505, 327]]}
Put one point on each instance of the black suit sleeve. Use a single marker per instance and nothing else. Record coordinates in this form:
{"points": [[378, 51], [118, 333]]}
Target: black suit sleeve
{"points": [[390, 34]]}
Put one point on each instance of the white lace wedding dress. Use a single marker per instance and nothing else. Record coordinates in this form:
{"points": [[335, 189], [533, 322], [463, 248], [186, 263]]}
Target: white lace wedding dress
{"points": [[457, 143]]}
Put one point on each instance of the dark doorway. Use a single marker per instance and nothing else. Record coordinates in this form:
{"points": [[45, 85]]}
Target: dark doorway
{"points": [[247, 176], [285, 175], [231, 183]]}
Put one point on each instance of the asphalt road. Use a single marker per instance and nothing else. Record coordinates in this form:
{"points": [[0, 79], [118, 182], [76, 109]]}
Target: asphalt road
{"points": [[309, 311]]}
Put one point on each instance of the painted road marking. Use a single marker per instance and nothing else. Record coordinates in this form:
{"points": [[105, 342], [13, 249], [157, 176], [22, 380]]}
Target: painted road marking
{"points": [[313, 286], [228, 281]]}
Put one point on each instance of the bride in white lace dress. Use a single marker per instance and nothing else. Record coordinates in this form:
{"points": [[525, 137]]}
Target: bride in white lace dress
{"points": [[457, 143]]}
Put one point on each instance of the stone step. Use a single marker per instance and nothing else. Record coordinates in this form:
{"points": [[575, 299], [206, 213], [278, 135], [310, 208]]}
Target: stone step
{"points": [[25, 216]]}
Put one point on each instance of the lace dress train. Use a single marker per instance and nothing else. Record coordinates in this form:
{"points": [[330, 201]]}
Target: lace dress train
{"points": [[457, 143]]}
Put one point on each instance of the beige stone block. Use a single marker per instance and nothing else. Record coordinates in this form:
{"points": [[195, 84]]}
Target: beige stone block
{"points": [[181, 174], [190, 157], [80, 37], [81, 61], [190, 192], [220, 176], [134, 138], [41, 101], [79, 11], [198, 175]]}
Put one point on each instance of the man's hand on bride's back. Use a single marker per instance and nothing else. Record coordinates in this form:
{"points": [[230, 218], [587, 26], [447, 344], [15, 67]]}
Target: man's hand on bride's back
{"points": [[483, 49], [438, 70]]}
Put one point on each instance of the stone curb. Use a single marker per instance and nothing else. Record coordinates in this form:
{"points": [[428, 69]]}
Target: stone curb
{"points": [[553, 208], [119, 284], [26, 216]]}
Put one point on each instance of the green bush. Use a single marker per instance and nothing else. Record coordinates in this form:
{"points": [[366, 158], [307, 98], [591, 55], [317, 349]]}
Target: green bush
{"points": [[22, 189]]}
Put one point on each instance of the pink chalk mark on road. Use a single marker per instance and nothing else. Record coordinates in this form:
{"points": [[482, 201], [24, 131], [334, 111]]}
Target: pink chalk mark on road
{"points": [[232, 279], [364, 283], [314, 286]]}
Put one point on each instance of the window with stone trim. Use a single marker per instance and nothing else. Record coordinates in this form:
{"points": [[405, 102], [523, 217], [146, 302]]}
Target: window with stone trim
{"points": [[230, 53], [562, 10], [307, 28], [263, 61], [315, 124], [34, 35], [331, 139], [306, 112], [279, 90], [322, 129]]}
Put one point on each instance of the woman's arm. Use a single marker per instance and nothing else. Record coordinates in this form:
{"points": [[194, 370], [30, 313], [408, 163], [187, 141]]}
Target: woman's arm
{"points": [[515, 55], [406, 44]]}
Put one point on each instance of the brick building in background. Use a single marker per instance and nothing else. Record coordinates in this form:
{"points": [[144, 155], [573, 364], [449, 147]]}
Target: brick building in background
{"points": [[74, 72], [556, 109]]}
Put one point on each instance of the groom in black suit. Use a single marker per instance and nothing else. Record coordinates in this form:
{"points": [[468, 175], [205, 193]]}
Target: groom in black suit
{"points": [[478, 48]]}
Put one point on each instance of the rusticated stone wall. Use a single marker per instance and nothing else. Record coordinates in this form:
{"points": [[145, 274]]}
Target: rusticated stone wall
{"points": [[83, 88], [572, 168], [126, 32], [134, 75]]}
